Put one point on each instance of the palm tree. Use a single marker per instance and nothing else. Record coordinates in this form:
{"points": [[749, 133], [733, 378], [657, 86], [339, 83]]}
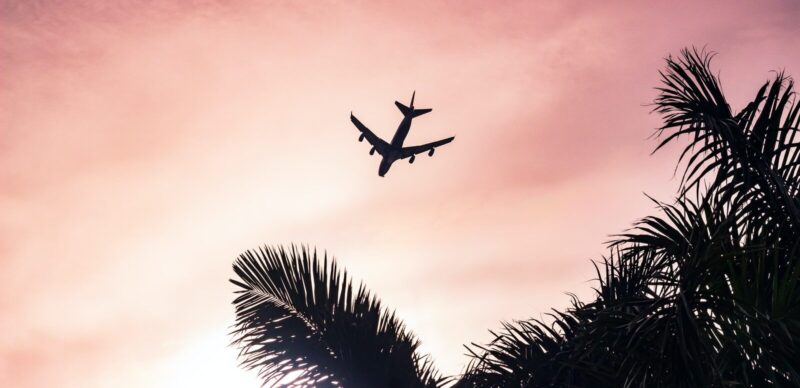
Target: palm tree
{"points": [[300, 322], [707, 293]]}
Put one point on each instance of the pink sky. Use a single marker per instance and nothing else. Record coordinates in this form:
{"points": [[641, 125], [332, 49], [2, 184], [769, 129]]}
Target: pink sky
{"points": [[144, 146]]}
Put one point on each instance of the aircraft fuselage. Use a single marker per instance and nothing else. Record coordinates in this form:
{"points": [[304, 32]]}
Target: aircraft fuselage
{"points": [[397, 144], [402, 132]]}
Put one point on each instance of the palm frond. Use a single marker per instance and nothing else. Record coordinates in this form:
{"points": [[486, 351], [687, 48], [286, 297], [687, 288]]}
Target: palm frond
{"points": [[533, 353], [301, 323], [753, 153]]}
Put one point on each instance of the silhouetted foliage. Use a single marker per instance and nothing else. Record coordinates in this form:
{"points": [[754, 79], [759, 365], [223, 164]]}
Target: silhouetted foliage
{"points": [[704, 294], [300, 322]]}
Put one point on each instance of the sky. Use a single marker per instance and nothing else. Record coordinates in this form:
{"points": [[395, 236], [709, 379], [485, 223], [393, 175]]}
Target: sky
{"points": [[144, 145]]}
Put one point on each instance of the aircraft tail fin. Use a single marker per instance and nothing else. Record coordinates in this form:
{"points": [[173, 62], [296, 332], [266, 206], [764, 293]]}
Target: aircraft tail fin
{"points": [[410, 111]]}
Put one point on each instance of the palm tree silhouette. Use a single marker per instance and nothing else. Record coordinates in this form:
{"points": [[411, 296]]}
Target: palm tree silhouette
{"points": [[301, 324], [707, 293]]}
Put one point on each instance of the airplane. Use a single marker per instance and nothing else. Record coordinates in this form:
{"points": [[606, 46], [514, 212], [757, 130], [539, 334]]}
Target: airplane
{"points": [[394, 151]]}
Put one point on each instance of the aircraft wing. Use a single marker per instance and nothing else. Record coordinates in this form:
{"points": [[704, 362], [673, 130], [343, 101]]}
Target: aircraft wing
{"points": [[380, 145], [411, 151]]}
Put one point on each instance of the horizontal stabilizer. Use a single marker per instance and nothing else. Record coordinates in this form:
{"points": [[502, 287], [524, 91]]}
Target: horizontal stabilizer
{"points": [[406, 110], [409, 111], [420, 112]]}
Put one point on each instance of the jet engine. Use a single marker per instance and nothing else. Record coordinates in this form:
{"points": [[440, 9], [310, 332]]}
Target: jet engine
{"points": [[372, 151], [430, 153], [361, 138], [412, 159]]}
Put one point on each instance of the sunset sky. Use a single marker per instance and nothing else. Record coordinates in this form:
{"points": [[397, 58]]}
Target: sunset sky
{"points": [[144, 145]]}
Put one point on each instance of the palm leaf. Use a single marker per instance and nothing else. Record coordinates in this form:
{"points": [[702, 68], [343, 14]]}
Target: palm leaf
{"points": [[752, 153], [301, 323]]}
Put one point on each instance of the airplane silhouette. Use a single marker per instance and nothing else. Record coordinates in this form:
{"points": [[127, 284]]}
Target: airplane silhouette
{"points": [[394, 151]]}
